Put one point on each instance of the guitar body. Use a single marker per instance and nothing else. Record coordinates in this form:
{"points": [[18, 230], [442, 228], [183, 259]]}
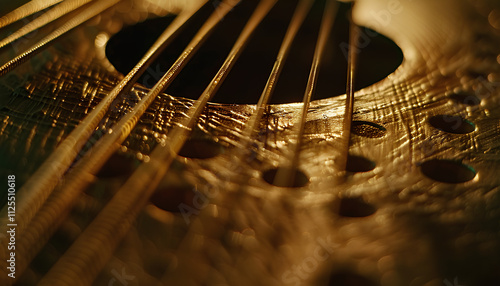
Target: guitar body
{"points": [[419, 204]]}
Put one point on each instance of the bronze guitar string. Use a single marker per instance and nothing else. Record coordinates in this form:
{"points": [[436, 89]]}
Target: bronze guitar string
{"points": [[42, 183], [434, 165], [349, 105], [102, 235], [285, 176], [26, 10], [85, 15], [53, 14], [67, 193]]}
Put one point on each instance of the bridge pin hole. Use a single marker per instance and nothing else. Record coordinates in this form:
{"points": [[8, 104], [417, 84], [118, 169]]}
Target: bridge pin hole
{"points": [[359, 164], [170, 198], [299, 178], [355, 207], [452, 124], [447, 171], [200, 149], [349, 279], [368, 129]]}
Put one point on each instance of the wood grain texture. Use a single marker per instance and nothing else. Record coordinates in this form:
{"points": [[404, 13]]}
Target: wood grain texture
{"points": [[394, 225]]}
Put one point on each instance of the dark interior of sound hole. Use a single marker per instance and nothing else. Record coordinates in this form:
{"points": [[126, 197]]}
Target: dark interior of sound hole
{"points": [[247, 79]]}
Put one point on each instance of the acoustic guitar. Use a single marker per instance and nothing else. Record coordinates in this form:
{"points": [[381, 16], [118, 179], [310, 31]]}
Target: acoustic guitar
{"points": [[270, 142]]}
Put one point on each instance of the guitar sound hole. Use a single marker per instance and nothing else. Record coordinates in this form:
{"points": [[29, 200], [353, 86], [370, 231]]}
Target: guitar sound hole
{"points": [[358, 164], [172, 198], [349, 279], [465, 98], [452, 124], [368, 129], [448, 171], [378, 57], [200, 149], [355, 207], [300, 179]]}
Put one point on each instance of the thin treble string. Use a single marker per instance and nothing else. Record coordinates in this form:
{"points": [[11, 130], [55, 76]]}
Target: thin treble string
{"points": [[41, 184], [95, 245], [349, 106], [286, 174], [52, 214], [53, 14], [300, 14], [26, 10]]}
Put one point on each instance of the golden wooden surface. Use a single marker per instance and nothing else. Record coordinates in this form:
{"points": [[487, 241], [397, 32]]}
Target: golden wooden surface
{"points": [[419, 217]]}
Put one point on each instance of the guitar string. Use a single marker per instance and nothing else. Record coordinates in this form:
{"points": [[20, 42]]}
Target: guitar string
{"points": [[285, 176], [287, 180], [87, 14], [40, 185], [95, 245], [26, 10], [53, 14], [298, 18], [247, 138], [346, 104], [349, 106], [36, 184], [61, 201]]}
